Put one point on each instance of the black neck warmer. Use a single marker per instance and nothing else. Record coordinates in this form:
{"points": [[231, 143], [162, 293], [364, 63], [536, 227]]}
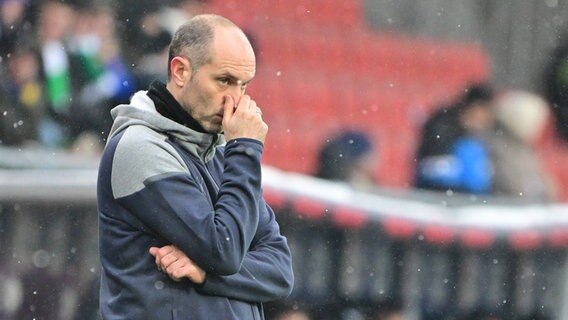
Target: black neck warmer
{"points": [[167, 106]]}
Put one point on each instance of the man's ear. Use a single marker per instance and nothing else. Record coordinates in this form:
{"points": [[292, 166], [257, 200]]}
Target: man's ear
{"points": [[180, 68]]}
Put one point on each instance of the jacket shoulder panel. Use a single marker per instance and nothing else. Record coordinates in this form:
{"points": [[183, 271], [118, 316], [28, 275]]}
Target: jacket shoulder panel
{"points": [[141, 154]]}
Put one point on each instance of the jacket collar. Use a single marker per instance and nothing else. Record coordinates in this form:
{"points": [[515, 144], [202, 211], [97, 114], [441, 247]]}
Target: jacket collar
{"points": [[169, 107]]}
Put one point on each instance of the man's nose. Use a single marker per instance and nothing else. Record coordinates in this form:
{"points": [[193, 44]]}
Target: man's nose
{"points": [[236, 92]]}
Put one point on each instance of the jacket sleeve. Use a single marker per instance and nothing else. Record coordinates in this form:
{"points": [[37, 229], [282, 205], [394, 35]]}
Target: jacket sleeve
{"points": [[266, 273], [173, 206]]}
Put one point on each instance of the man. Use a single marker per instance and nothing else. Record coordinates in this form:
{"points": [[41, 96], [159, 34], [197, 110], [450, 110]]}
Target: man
{"points": [[167, 185]]}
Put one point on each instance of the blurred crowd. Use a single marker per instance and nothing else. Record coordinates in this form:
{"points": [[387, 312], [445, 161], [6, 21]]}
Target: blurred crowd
{"points": [[65, 64], [481, 143]]}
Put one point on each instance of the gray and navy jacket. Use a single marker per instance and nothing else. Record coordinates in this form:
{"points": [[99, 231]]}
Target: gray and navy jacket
{"points": [[161, 182]]}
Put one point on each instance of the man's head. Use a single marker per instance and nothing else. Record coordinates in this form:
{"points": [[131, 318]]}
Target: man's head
{"points": [[210, 58], [475, 109]]}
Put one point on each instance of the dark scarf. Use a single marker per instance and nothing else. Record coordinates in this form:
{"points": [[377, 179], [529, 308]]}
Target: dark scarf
{"points": [[167, 106]]}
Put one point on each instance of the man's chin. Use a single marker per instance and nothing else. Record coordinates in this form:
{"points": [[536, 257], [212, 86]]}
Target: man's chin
{"points": [[213, 129]]}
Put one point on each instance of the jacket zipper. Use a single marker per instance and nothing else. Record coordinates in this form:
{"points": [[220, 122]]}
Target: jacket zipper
{"points": [[207, 168]]}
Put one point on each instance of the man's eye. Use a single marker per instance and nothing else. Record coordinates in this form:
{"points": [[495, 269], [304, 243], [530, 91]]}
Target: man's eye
{"points": [[224, 81]]}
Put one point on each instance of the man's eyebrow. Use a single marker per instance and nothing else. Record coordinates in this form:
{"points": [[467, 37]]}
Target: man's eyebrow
{"points": [[234, 78]]}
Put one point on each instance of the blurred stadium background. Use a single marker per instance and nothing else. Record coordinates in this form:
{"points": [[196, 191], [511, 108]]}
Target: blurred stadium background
{"points": [[323, 65]]}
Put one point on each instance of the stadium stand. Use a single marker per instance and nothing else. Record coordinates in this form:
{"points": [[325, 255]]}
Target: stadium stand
{"points": [[328, 71]]}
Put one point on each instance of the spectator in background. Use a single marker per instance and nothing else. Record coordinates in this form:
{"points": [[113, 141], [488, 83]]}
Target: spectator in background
{"points": [[104, 79], [453, 153], [521, 117], [55, 22], [179, 12], [556, 87], [13, 23], [154, 40], [348, 157], [22, 98]]}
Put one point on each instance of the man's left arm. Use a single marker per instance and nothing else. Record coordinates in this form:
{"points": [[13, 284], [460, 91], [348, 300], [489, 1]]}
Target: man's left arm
{"points": [[266, 272]]}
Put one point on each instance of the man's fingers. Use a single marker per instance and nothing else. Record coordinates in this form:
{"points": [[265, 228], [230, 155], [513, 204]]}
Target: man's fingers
{"points": [[176, 264], [168, 260], [229, 108], [244, 104], [160, 253], [177, 268], [154, 251]]}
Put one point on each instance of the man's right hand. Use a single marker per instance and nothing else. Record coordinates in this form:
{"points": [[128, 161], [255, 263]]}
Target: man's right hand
{"points": [[244, 120], [177, 265]]}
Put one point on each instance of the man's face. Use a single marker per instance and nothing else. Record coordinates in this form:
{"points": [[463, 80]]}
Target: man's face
{"points": [[231, 68], [478, 118]]}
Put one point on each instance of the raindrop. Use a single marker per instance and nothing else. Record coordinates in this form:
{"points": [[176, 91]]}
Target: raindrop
{"points": [[35, 292], [421, 237], [438, 136], [125, 83], [278, 73], [41, 259], [92, 270], [495, 261], [227, 238]]}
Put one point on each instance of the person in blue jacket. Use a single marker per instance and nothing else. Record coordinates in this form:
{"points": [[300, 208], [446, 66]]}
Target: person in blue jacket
{"points": [[184, 230], [453, 153]]}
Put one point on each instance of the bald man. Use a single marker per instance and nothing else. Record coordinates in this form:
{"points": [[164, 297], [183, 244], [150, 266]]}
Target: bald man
{"points": [[184, 230]]}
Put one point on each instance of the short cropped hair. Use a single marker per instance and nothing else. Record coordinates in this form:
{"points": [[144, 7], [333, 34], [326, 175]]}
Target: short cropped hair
{"points": [[193, 40]]}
